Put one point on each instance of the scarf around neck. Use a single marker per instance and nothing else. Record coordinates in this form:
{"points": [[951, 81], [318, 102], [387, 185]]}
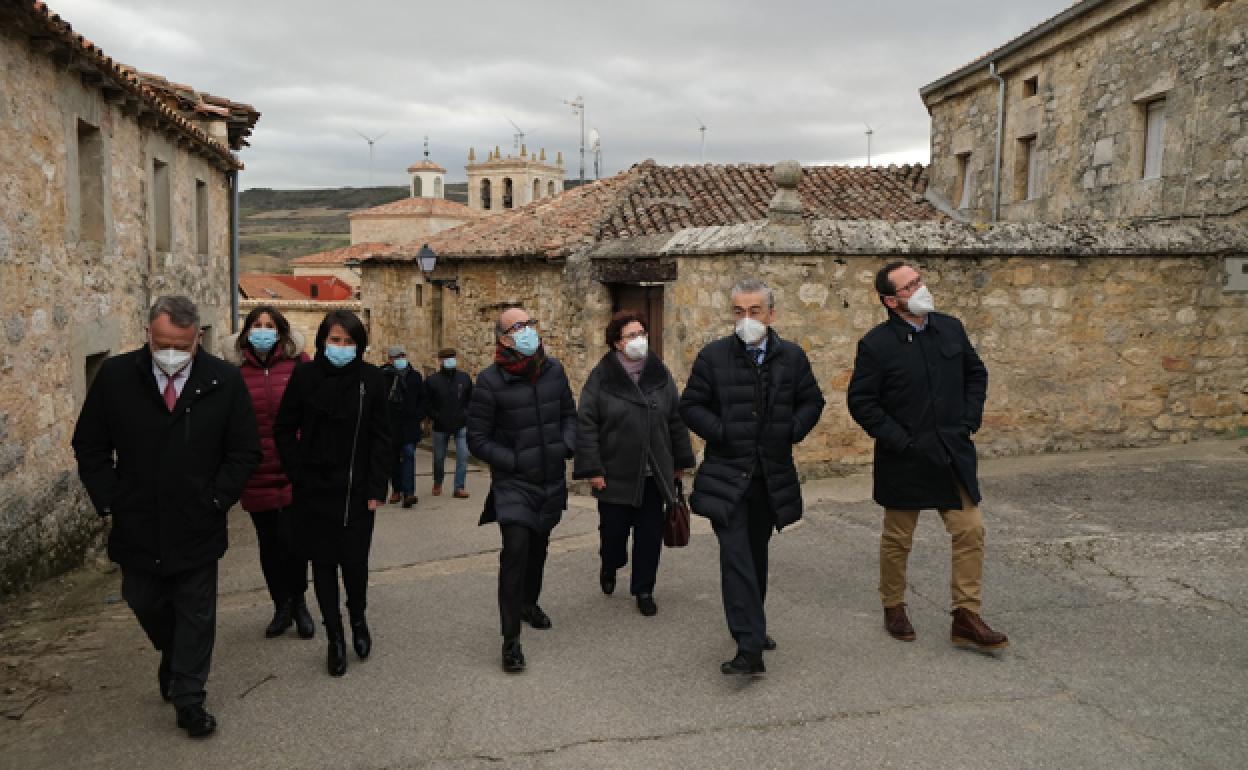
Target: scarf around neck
{"points": [[632, 368], [525, 367]]}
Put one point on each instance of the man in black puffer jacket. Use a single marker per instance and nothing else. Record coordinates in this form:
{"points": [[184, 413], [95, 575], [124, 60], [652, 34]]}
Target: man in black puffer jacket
{"points": [[522, 421], [751, 397]]}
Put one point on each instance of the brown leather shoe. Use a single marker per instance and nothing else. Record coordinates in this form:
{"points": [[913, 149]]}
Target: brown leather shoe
{"points": [[461, 493], [409, 501], [970, 630], [395, 497], [437, 489], [897, 624]]}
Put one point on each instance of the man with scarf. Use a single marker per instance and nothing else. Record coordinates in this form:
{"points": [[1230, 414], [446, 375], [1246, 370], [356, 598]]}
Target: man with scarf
{"points": [[751, 396], [522, 422], [918, 389]]}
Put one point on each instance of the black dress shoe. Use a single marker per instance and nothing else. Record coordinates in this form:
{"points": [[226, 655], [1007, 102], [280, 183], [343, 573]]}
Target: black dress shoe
{"points": [[164, 677], [281, 620], [646, 605], [197, 722], [513, 656], [743, 665], [769, 644], [336, 655], [606, 579], [303, 619], [361, 639], [535, 617]]}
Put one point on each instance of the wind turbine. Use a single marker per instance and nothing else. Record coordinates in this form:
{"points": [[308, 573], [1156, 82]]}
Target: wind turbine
{"points": [[870, 131], [371, 141], [702, 130], [518, 137]]}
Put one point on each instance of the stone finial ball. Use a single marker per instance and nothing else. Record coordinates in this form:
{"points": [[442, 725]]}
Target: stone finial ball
{"points": [[788, 173]]}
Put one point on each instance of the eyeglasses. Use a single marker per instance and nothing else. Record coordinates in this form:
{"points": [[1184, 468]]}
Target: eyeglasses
{"points": [[634, 335], [518, 325], [910, 287]]}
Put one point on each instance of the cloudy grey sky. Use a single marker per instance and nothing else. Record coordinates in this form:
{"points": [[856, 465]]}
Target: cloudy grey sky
{"points": [[771, 79]]}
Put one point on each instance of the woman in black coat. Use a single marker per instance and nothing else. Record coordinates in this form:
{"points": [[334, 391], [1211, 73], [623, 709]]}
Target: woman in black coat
{"points": [[334, 440], [633, 448]]}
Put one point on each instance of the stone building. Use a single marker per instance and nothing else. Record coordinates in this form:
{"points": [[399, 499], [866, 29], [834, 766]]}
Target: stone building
{"points": [[537, 255], [413, 219], [1111, 110], [1095, 335], [499, 183], [116, 188]]}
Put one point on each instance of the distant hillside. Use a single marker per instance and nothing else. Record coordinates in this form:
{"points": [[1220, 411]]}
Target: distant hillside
{"points": [[279, 225]]}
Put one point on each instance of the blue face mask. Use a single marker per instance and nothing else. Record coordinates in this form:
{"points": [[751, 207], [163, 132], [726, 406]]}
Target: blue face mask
{"points": [[526, 341], [448, 363], [400, 363], [262, 340], [340, 355]]}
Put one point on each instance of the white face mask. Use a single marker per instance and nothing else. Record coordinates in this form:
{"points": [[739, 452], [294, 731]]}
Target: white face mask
{"points": [[921, 302], [637, 348], [171, 361], [751, 331]]}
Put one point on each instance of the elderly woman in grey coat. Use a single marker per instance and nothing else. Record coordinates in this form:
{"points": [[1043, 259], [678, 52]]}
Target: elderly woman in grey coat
{"points": [[632, 447]]}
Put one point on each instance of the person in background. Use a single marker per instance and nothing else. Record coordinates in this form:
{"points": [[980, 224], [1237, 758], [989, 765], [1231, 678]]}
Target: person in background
{"points": [[918, 389], [333, 436], [447, 394], [269, 355], [404, 401], [633, 447], [165, 442], [752, 396], [522, 422]]}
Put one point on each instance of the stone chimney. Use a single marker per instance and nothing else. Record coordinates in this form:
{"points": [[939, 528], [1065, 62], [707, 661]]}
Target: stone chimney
{"points": [[786, 204]]}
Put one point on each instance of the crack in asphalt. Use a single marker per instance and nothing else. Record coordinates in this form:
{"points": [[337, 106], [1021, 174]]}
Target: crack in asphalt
{"points": [[760, 727]]}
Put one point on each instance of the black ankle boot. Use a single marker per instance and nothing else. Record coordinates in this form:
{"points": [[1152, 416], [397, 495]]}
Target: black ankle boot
{"points": [[303, 619], [361, 639], [281, 619], [336, 657]]}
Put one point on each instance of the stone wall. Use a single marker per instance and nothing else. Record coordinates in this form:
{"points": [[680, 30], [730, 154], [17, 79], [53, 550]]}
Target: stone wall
{"points": [[74, 289], [1093, 80], [399, 230]]}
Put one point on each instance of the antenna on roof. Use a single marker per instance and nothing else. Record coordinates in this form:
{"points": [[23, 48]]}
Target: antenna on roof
{"points": [[426, 147], [578, 108], [371, 142], [595, 147], [702, 149]]}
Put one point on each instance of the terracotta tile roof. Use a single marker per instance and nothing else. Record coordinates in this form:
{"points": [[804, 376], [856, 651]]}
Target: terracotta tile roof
{"points": [[324, 288], [137, 94], [341, 256], [426, 165], [418, 207], [649, 199]]}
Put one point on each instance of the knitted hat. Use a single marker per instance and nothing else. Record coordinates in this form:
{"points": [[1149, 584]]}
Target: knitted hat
{"points": [[446, 353]]}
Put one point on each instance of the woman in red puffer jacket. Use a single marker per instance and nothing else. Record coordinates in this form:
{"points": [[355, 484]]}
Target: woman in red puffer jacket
{"points": [[269, 354]]}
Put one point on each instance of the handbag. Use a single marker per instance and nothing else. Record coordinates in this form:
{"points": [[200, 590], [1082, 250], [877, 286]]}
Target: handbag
{"points": [[676, 521]]}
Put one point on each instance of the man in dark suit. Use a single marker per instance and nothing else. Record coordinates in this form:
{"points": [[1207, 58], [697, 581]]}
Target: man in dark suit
{"points": [[751, 397], [165, 443], [405, 395], [918, 389]]}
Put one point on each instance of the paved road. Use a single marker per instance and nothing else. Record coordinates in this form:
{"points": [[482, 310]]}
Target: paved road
{"points": [[1121, 578]]}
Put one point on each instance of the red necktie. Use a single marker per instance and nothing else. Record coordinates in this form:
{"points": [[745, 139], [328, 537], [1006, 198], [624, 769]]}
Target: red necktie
{"points": [[171, 394]]}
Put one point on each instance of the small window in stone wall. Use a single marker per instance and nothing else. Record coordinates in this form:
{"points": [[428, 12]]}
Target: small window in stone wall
{"points": [[201, 217], [1026, 170], [486, 193], [91, 367], [162, 219], [1154, 138], [90, 183], [962, 193], [418, 295], [1031, 86]]}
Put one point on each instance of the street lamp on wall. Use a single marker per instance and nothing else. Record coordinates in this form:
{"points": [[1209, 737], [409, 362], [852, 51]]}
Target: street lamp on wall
{"points": [[428, 260]]}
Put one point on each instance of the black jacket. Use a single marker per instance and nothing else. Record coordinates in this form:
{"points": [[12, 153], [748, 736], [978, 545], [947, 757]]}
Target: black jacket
{"points": [[750, 417], [175, 474], [625, 427], [526, 432], [920, 395], [333, 436], [405, 402], [447, 393]]}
